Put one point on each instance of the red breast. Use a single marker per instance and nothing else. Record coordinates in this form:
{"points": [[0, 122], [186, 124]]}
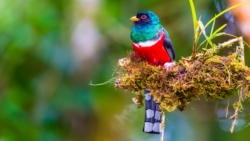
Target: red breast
{"points": [[154, 54]]}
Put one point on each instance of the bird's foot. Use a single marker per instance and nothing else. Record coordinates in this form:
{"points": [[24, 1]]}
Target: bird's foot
{"points": [[122, 62], [169, 65], [135, 100]]}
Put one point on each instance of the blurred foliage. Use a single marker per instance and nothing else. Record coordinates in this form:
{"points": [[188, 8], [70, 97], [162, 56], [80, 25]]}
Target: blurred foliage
{"points": [[44, 89]]}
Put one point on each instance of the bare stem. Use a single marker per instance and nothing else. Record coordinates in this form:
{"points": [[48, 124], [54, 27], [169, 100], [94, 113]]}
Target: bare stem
{"points": [[229, 42], [162, 126], [220, 46], [235, 115], [100, 84], [239, 51], [227, 108]]}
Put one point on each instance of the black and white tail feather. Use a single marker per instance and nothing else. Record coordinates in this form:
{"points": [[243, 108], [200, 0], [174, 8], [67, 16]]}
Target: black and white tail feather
{"points": [[152, 123]]}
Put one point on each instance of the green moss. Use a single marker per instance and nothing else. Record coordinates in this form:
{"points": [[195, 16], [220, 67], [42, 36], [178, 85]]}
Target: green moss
{"points": [[214, 77]]}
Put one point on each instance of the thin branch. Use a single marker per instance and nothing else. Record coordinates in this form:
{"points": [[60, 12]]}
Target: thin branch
{"points": [[100, 84], [235, 115], [228, 42], [240, 51], [226, 109], [162, 126]]}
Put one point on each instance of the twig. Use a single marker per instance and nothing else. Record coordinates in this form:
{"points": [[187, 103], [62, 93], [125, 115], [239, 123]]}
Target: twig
{"points": [[235, 115], [230, 35], [99, 84], [220, 46], [229, 42], [239, 51], [226, 109], [162, 126]]}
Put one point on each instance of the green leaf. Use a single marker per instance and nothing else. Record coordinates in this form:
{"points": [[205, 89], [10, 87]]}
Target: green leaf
{"points": [[194, 16], [212, 29], [219, 29], [217, 35], [204, 33]]}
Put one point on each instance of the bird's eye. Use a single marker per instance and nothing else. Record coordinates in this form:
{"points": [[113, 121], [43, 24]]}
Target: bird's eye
{"points": [[144, 16]]}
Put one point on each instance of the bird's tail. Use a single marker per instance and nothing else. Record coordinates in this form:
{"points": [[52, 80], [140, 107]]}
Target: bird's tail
{"points": [[152, 122]]}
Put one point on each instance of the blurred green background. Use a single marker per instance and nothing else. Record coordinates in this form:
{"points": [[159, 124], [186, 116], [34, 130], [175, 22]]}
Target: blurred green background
{"points": [[51, 50]]}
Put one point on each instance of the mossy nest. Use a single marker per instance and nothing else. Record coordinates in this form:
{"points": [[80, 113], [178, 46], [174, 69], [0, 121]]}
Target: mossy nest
{"points": [[215, 77]]}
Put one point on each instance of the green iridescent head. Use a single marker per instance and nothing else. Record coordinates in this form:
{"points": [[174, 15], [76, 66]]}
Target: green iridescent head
{"points": [[146, 26], [145, 17]]}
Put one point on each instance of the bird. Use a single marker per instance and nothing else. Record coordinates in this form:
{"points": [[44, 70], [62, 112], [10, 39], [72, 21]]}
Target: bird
{"points": [[151, 42]]}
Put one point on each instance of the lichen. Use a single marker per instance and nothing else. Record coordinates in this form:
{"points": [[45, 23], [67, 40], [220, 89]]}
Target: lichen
{"points": [[211, 76]]}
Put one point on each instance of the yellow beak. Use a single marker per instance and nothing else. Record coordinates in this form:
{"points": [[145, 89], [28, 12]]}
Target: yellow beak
{"points": [[134, 19]]}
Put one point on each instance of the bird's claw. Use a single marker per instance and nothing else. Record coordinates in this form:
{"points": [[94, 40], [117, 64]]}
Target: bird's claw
{"points": [[168, 65], [122, 62], [135, 100]]}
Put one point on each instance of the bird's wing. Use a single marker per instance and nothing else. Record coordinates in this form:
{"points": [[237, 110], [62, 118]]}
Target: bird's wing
{"points": [[169, 46]]}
